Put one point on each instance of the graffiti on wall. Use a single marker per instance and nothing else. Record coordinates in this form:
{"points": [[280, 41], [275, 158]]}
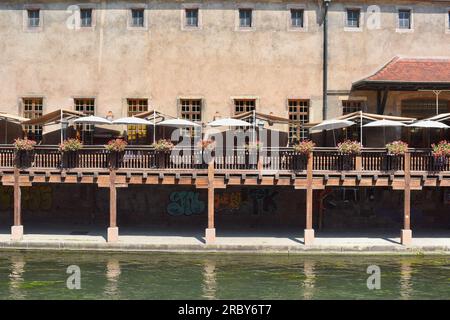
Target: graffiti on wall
{"points": [[246, 201], [36, 198], [185, 203]]}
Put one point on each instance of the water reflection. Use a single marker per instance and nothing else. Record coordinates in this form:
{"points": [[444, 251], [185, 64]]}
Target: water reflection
{"points": [[310, 280], [16, 277], [406, 280], [113, 272], [209, 279]]}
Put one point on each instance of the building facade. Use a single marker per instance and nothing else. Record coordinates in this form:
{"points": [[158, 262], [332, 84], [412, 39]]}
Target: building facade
{"points": [[200, 59]]}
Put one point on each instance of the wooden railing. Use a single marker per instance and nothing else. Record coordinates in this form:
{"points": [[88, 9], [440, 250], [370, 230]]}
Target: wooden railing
{"points": [[266, 159]]}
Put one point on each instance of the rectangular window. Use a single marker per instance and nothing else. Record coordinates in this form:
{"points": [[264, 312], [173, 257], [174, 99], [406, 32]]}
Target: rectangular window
{"points": [[404, 19], [137, 18], [191, 17], [32, 109], [87, 106], [245, 18], [244, 105], [298, 110], [353, 16], [297, 18], [191, 109], [135, 106], [448, 19], [33, 18], [86, 18], [350, 106]]}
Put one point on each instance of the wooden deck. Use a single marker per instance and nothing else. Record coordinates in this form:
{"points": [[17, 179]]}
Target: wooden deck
{"points": [[324, 167]]}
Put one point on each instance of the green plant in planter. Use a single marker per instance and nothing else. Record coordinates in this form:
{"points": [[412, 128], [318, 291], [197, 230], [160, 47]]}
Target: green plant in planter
{"points": [[24, 144], [397, 148], [440, 152], [304, 147], [442, 149], [70, 145], [207, 144], [163, 145], [116, 145], [24, 148], [349, 147], [254, 145]]}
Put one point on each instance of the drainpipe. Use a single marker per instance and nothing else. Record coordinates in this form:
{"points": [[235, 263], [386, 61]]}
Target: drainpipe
{"points": [[325, 59]]}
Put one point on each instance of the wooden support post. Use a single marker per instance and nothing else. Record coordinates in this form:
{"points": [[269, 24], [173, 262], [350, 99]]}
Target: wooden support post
{"points": [[210, 233], [17, 228], [358, 163], [113, 230], [309, 231], [406, 233]]}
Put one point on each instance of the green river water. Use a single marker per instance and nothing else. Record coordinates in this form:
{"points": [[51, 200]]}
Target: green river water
{"points": [[43, 275]]}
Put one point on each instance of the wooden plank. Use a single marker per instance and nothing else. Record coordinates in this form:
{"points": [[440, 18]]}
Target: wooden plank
{"points": [[17, 199], [309, 192]]}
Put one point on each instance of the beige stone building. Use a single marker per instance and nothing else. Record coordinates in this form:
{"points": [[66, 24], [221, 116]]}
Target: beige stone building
{"points": [[198, 59]]}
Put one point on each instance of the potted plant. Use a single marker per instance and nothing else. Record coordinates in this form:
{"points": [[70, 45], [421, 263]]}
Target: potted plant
{"points": [[440, 152], [162, 147], [206, 146], [348, 150], [251, 152], [395, 150], [69, 151], [116, 148], [24, 152], [303, 149]]}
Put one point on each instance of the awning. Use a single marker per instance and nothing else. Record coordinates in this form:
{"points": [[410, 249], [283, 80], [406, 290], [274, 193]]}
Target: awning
{"points": [[373, 116], [54, 117], [409, 74], [12, 118], [270, 118]]}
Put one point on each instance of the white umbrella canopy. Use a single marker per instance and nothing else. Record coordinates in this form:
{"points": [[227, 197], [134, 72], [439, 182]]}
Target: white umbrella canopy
{"points": [[333, 124], [132, 121], [429, 124], [180, 123], [92, 120], [229, 122], [385, 123]]}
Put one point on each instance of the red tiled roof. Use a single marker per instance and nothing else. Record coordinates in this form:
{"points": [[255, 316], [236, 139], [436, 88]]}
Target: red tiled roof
{"points": [[414, 70]]}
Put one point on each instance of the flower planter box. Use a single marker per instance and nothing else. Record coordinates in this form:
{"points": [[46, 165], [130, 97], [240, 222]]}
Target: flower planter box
{"points": [[440, 163], [347, 162], [162, 159], [69, 159], [24, 158], [300, 162], [392, 162], [116, 159]]}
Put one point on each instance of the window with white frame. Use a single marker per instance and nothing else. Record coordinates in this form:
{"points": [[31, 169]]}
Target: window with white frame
{"points": [[32, 109], [86, 17], [353, 18], [404, 19], [298, 111], [86, 106], [191, 17], [297, 20], [244, 105], [137, 18], [33, 18], [245, 18]]}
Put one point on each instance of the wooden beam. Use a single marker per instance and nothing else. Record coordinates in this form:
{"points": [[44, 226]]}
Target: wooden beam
{"points": [[309, 231], [407, 200], [309, 193], [112, 200], [17, 199], [210, 232], [406, 233], [210, 196]]}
